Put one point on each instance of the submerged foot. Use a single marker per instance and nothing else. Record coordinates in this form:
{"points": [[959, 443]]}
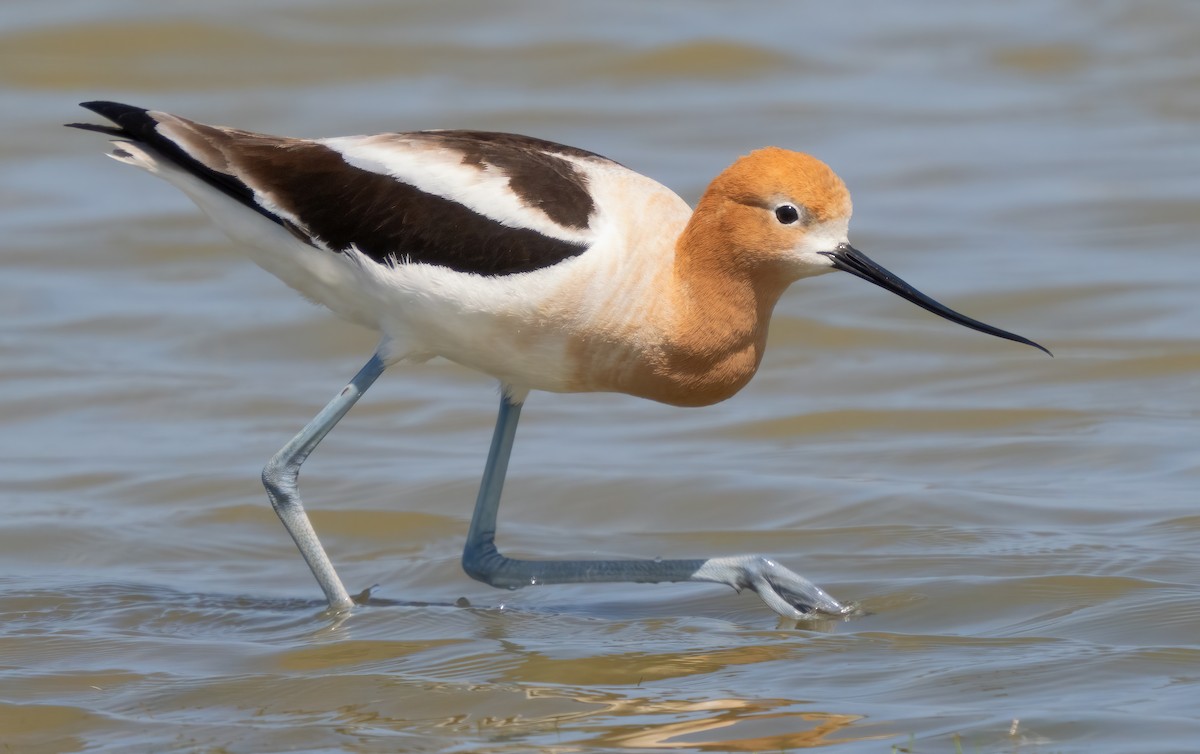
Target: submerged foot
{"points": [[785, 591], [364, 596]]}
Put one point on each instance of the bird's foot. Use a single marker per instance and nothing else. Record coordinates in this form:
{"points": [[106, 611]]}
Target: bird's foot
{"points": [[364, 596], [785, 591]]}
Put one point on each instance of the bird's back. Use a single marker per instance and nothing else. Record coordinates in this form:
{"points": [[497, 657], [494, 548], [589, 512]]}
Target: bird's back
{"points": [[513, 255]]}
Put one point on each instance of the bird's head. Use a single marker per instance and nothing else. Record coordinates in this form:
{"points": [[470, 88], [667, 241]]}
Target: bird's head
{"points": [[783, 214]]}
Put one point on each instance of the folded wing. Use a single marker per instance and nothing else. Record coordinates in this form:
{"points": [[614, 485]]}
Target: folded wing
{"points": [[476, 202]]}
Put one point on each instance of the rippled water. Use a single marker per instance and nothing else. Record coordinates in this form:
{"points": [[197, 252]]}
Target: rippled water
{"points": [[1023, 531]]}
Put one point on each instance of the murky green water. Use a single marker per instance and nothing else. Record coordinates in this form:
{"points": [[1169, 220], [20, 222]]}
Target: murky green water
{"points": [[1024, 531]]}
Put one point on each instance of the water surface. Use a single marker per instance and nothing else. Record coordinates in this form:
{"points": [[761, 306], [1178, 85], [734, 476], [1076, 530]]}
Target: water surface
{"points": [[1022, 531]]}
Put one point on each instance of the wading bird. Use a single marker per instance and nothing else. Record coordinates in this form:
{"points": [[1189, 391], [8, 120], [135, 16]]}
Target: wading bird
{"points": [[545, 266]]}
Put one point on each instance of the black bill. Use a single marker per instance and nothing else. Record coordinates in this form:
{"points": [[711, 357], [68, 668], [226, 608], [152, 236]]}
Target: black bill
{"points": [[849, 259]]}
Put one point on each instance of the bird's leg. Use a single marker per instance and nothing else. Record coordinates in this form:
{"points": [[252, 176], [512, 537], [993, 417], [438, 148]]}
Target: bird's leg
{"points": [[281, 473], [784, 591]]}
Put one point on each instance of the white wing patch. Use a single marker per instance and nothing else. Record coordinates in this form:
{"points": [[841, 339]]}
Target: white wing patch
{"points": [[440, 171]]}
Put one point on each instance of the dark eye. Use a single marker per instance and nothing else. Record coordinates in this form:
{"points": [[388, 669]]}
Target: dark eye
{"points": [[787, 214]]}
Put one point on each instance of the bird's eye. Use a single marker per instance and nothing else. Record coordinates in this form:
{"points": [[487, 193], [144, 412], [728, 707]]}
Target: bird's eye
{"points": [[787, 214]]}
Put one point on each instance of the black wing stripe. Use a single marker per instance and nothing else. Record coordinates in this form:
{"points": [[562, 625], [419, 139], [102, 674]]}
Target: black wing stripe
{"points": [[390, 221], [345, 207], [137, 124], [536, 170]]}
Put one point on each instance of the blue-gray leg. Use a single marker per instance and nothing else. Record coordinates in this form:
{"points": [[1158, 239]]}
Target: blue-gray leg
{"points": [[281, 473], [786, 592]]}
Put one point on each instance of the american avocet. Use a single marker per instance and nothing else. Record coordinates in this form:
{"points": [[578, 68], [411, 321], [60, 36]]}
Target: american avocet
{"points": [[545, 266]]}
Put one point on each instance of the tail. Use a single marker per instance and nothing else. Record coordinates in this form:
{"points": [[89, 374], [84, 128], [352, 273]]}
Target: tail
{"points": [[132, 122], [161, 143]]}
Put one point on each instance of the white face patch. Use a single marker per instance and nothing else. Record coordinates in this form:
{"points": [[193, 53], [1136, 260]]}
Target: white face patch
{"points": [[809, 254]]}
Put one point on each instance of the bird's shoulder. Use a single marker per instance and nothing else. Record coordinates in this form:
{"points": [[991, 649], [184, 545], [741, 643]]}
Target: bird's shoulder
{"points": [[482, 202]]}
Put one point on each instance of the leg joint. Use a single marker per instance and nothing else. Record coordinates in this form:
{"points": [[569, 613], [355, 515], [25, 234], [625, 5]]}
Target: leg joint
{"points": [[280, 481], [483, 562]]}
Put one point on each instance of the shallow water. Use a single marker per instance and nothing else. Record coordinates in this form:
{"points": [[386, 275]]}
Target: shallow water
{"points": [[1023, 532]]}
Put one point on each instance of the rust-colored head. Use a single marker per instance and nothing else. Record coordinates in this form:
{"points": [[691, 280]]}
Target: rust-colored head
{"points": [[775, 216], [772, 209]]}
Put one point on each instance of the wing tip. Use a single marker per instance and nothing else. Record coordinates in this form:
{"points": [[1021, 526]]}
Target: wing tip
{"points": [[114, 111], [98, 128], [130, 120]]}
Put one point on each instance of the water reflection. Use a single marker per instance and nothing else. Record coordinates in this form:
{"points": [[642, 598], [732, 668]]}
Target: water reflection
{"points": [[1021, 532], [711, 725]]}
